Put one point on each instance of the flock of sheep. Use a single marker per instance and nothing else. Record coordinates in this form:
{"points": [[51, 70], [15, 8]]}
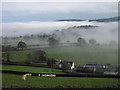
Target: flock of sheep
{"points": [[43, 75]]}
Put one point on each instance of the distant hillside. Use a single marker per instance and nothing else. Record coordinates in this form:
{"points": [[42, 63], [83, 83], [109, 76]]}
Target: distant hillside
{"points": [[112, 19], [70, 20]]}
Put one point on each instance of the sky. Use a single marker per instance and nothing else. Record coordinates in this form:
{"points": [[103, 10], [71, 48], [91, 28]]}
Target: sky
{"points": [[21, 18], [51, 11]]}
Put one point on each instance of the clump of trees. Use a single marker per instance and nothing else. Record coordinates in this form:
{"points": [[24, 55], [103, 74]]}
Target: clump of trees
{"points": [[81, 41], [51, 62], [36, 57], [92, 41], [66, 67], [21, 45], [7, 52], [40, 57], [53, 42]]}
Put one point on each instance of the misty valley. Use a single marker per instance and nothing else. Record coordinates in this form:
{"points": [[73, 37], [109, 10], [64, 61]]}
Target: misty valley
{"points": [[64, 44], [60, 49]]}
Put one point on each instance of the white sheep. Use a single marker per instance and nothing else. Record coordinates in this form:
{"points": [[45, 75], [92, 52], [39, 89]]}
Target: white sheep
{"points": [[39, 75], [24, 76], [48, 75]]}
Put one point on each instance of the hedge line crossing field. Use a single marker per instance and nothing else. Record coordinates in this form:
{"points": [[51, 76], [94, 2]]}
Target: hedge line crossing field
{"points": [[80, 55], [31, 69], [15, 81]]}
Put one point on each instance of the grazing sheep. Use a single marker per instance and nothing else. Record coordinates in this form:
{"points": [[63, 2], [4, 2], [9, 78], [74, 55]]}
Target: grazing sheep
{"points": [[28, 74], [24, 76], [52, 75], [39, 75], [43, 75], [48, 75]]}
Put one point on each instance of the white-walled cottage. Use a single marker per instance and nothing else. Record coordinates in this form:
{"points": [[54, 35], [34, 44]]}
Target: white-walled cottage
{"points": [[72, 65]]}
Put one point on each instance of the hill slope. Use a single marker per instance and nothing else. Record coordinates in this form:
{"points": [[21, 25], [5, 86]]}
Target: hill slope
{"points": [[111, 19]]}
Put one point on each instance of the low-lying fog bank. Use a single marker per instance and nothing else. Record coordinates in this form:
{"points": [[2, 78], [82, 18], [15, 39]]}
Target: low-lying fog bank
{"points": [[65, 31]]}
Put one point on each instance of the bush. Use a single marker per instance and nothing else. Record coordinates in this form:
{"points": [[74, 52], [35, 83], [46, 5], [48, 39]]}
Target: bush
{"points": [[53, 42], [21, 45], [51, 62], [65, 67], [36, 57], [81, 42]]}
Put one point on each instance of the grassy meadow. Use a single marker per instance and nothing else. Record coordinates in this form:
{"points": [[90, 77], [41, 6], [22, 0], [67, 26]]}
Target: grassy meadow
{"points": [[80, 55], [15, 81]]}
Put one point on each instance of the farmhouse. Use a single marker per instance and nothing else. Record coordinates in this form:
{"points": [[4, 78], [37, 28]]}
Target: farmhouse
{"points": [[71, 63]]}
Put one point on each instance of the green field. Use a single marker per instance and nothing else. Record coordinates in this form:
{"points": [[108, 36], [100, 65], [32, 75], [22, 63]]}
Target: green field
{"points": [[15, 81], [31, 69], [81, 55]]}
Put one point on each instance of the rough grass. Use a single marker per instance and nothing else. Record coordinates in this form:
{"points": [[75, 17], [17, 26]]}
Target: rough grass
{"points": [[31, 69], [15, 81], [81, 55]]}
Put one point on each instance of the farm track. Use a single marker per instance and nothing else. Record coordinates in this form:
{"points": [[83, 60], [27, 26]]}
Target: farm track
{"points": [[62, 75]]}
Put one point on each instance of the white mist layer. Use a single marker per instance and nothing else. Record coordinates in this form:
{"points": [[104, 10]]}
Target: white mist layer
{"points": [[104, 33]]}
